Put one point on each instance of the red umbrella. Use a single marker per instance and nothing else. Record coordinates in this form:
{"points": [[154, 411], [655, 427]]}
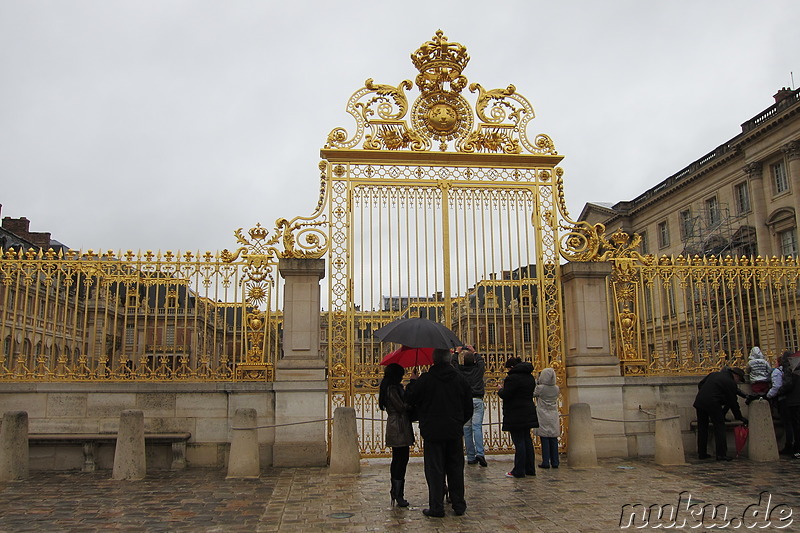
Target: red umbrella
{"points": [[408, 357], [740, 436]]}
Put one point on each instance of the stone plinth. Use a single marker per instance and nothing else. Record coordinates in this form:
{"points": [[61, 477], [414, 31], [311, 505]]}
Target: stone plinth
{"points": [[14, 446], [129, 456]]}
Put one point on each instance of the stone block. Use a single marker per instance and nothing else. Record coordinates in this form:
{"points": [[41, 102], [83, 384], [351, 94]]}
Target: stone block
{"points": [[211, 405], [211, 430], [154, 404], [66, 405], [107, 404], [34, 404]]}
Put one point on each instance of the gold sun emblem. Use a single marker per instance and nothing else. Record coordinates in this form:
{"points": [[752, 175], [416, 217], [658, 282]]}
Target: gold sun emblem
{"points": [[442, 117]]}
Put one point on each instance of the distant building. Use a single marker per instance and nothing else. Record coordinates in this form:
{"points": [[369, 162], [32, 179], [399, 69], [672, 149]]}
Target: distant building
{"points": [[742, 198], [15, 233]]}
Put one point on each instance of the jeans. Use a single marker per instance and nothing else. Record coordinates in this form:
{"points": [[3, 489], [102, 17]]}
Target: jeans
{"points": [[549, 451], [473, 431]]}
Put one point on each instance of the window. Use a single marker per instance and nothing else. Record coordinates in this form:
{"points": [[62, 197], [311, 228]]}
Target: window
{"points": [[686, 224], [170, 336], [645, 245], [779, 181], [663, 234], [788, 242], [712, 211], [741, 194], [526, 332], [129, 333], [490, 333]]}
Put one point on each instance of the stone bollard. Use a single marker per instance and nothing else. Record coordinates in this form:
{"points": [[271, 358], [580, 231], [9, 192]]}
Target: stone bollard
{"points": [[14, 446], [669, 444], [244, 461], [129, 457], [762, 446], [345, 456], [581, 450]]}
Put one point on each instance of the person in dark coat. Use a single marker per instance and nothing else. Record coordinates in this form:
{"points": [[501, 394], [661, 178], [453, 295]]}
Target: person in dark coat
{"points": [[793, 405], [443, 401], [717, 392], [519, 415], [399, 433]]}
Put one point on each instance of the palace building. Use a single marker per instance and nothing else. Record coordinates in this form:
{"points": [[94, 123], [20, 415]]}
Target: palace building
{"points": [[740, 199]]}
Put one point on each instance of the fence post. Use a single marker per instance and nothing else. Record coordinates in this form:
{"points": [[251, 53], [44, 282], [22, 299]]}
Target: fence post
{"points": [[301, 387], [244, 461], [14, 446], [669, 444], [129, 457], [581, 450], [345, 456]]}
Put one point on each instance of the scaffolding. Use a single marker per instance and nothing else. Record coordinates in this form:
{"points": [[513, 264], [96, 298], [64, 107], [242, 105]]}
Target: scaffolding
{"points": [[720, 235]]}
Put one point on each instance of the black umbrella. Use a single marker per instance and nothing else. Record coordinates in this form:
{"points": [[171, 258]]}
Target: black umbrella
{"points": [[418, 333]]}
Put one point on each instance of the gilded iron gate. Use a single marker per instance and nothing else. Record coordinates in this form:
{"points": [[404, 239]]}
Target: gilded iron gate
{"points": [[453, 216]]}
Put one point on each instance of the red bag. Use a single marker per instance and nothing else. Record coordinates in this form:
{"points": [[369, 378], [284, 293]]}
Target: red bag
{"points": [[740, 435]]}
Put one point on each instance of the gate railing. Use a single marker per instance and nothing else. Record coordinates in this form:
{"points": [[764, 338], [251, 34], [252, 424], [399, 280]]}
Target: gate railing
{"points": [[68, 315], [692, 315]]}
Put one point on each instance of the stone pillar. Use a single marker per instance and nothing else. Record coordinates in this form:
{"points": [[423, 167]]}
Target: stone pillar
{"points": [[669, 442], [300, 384], [759, 191], [792, 151], [345, 456], [762, 446], [129, 456], [244, 461], [593, 373], [581, 451], [14, 463]]}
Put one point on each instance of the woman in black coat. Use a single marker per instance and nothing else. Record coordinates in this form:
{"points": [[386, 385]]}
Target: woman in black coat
{"points": [[519, 414], [399, 433]]}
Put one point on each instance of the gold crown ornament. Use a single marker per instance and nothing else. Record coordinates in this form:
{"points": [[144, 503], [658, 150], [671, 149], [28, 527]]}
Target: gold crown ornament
{"points": [[440, 62]]}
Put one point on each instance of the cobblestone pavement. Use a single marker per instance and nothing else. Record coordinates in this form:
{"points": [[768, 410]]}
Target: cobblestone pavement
{"points": [[309, 499]]}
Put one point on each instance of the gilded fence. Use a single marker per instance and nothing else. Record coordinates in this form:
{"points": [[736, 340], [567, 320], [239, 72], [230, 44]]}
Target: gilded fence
{"points": [[67, 315], [692, 315]]}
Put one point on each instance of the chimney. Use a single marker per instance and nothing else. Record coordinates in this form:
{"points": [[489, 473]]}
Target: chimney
{"points": [[40, 238], [17, 226], [782, 94]]}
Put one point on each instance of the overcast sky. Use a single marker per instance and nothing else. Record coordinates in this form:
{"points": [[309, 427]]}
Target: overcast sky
{"points": [[169, 124]]}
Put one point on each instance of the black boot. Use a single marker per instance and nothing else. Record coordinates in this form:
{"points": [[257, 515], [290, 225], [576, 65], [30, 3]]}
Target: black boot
{"points": [[398, 487]]}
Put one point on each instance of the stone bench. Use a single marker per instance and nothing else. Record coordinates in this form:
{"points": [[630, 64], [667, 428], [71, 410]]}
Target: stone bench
{"points": [[89, 442]]}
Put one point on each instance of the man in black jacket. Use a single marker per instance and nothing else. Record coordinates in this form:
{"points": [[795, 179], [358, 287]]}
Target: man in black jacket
{"points": [[717, 392], [443, 400]]}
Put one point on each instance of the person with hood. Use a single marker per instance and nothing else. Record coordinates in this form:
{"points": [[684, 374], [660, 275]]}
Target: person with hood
{"points": [[519, 414], [472, 368], [546, 394], [443, 401], [399, 433], [717, 392], [758, 372]]}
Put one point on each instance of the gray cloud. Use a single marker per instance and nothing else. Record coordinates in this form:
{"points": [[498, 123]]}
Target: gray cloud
{"points": [[167, 124]]}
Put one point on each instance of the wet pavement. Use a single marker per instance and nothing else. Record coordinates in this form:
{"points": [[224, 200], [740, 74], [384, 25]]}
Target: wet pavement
{"points": [[765, 496]]}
